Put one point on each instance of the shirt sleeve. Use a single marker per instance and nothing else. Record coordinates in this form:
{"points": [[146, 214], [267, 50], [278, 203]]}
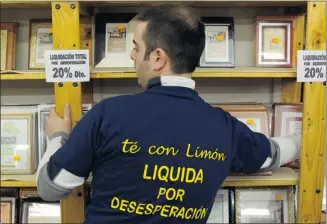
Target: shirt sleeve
{"points": [[252, 149], [68, 162]]}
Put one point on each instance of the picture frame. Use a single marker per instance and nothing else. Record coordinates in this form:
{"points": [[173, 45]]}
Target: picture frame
{"points": [[41, 39], [287, 119], [17, 143], [219, 48], [112, 30], [8, 210], [8, 45], [35, 210], [274, 41], [265, 205], [256, 120], [220, 212], [43, 113]]}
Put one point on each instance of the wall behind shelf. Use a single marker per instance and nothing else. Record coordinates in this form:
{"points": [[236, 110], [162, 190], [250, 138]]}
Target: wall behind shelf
{"points": [[212, 90]]}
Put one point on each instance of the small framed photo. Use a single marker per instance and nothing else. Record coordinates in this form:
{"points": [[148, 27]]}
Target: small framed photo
{"points": [[41, 39], [8, 45], [274, 41], [114, 35], [43, 114], [265, 205], [220, 209], [256, 120], [17, 145], [219, 45], [8, 210], [287, 119]]}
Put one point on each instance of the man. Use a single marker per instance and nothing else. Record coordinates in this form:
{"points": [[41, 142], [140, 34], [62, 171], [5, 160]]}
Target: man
{"points": [[161, 155]]}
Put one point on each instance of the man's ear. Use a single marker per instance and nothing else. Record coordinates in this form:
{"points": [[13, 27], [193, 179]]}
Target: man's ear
{"points": [[159, 59]]}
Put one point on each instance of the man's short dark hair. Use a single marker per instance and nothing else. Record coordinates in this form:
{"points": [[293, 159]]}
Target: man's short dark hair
{"points": [[176, 30]]}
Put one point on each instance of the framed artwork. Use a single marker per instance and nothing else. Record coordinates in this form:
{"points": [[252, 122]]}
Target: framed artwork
{"points": [[17, 145], [220, 209], [41, 39], [219, 46], [114, 35], [8, 45], [43, 113], [274, 41], [256, 120], [287, 119], [35, 210], [8, 210], [265, 205]]}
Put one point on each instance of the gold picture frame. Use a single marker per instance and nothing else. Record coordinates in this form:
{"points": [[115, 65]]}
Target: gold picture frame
{"points": [[17, 147], [8, 210], [41, 39], [270, 202], [8, 45]]}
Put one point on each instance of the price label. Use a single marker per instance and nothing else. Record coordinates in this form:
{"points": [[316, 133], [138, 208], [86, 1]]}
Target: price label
{"points": [[67, 65], [311, 66]]}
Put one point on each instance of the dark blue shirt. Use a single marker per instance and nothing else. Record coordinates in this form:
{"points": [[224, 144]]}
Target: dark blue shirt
{"points": [[159, 156]]}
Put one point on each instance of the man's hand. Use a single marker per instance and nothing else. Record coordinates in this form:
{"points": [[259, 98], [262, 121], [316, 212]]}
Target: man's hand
{"points": [[58, 124]]}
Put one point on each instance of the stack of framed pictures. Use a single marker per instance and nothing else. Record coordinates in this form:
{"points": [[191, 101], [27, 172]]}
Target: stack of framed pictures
{"points": [[43, 113], [8, 45], [8, 208], [287, 121], [8, 203]]}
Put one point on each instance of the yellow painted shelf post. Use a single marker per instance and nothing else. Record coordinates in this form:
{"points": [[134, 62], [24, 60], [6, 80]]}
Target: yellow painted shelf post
{"points": [[314, 125], [65, 25]]}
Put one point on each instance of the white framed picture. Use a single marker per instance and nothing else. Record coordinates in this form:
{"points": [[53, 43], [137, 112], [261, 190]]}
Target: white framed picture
{"points": [[220, 209], [265, 205], [17, 143]]}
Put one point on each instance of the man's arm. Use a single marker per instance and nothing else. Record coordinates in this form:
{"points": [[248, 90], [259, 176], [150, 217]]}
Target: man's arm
{"points": [[68, 161], [255, 152]]}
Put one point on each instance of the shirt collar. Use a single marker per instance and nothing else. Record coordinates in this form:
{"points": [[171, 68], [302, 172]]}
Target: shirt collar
{"points": [[172, 81]]}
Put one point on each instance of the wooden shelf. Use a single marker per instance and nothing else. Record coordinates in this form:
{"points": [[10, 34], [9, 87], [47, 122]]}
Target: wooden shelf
{"points": [[22, 75], [120, 73], [101, 3], [281, 177]]}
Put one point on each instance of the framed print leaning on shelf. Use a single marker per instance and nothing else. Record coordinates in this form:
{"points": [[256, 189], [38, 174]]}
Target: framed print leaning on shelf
{"points": [[265, 205], [41, 40], [8, 210], [43, 113], [219, 45], [256, 120], [35, 210], [17, 151], [220, 209], [114, 40], [8, 45], [287, 119], [274, 41]]}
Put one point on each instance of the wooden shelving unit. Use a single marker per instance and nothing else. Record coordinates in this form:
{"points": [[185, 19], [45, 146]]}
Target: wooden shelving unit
{"points": [[310, 177]]}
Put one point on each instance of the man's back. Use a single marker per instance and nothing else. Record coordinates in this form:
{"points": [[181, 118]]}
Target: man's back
{"points": [[160, 151]]}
